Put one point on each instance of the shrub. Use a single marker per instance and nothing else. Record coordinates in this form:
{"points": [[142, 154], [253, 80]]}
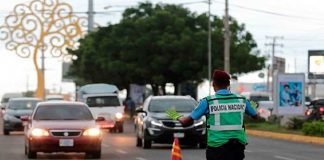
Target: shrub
{"points": [[274, 119], [295, 123], [248, 119], [315, 128]]}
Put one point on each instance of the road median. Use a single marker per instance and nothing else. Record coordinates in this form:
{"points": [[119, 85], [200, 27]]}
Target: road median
{"points": [[286, 136]]}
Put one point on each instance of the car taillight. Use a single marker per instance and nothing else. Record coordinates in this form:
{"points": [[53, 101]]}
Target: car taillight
{"points": [[37, 132], [261, 110], [321, 109], [308, 112]]}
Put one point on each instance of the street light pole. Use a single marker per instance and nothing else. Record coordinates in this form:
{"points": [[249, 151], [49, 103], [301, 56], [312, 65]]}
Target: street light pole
{"points": [[43, 71], [209, 47], [226, 40], [90, 16]]}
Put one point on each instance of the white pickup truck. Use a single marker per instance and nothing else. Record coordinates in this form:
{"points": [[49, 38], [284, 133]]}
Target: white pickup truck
{"points": [[103, 102]]}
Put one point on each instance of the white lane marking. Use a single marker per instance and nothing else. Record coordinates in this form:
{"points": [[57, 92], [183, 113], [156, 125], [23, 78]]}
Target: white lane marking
{"points": [[105, 145], [140, 158], [284, 158], [121, 151], [249, 151]]}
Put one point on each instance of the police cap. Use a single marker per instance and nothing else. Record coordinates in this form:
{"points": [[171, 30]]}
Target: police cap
{"points": [[221, 78]]}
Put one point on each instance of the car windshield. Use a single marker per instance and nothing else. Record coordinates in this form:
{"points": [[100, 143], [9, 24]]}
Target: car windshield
{"points": [[259, 98], [180, 105], [308, 99], [104, 101], [63, 112], [23, 104], [4, 100], [320, 102]]}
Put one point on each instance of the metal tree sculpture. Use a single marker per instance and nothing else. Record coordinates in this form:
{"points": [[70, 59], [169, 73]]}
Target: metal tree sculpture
{"points": [[42, 26]]}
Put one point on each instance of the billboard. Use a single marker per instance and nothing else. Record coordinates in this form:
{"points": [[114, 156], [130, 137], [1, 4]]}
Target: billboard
{"points": [[290, 94], [316, 64]]}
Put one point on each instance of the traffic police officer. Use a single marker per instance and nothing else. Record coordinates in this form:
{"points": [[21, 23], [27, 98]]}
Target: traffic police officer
{"points": [[226, 138]]}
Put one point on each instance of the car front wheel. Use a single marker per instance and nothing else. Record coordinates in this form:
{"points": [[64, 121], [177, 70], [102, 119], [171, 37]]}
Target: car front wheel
{"points": [[31, 154], [94, 155], [6, 132], [138, 142], [146, 142]]}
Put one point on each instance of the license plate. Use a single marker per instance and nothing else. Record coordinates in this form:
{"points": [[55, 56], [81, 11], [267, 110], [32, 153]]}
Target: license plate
{"points": [[178, 135], [66, 142]]}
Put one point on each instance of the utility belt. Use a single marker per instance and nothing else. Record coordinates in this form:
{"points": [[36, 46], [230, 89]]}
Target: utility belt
{"points": [[231, 142]]}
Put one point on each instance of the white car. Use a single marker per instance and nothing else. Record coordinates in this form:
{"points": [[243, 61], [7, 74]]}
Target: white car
{"points": [[109, 107]]}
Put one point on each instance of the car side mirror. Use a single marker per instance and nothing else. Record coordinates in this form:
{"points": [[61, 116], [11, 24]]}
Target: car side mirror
{"points": [[100, 119], [24, 118], [140, 110], [3, 110]]}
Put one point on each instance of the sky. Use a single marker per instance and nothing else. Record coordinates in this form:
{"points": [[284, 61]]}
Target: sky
{"points": [[299, 22]]}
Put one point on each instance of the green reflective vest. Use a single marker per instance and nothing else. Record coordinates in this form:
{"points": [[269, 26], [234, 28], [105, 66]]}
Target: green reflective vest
{"points": [[225, 119]]}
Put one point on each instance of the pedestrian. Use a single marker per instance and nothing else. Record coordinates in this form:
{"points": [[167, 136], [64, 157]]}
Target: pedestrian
{"points": [[226, 138], [130, 107]]}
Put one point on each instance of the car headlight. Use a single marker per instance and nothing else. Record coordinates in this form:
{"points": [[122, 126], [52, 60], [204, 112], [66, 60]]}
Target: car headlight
{"points": [[156, 123], [37, 132], [93, 132], [119, 115], [199, 123], [8, 117]]}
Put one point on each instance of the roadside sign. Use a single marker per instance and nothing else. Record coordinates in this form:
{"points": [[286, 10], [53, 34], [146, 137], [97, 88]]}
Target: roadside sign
{"points": [[289, 94]]}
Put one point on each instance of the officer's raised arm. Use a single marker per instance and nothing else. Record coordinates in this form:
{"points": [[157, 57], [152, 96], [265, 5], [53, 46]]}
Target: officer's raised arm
{"points": [[196, 114]]}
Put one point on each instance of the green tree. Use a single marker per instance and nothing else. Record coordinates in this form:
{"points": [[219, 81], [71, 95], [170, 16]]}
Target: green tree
{"points": [[159, 44]]}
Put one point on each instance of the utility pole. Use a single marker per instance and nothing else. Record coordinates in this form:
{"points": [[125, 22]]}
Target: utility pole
{"points": [[209, 47], [273, 45], [43, 71], [90, 16], [227, 40]]}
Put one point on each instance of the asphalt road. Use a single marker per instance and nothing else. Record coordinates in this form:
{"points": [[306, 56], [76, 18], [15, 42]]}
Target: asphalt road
{"points": [[122, 147]]}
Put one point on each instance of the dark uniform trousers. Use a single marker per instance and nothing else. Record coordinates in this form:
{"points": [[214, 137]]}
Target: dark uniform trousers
{"points": [[232, 150]]}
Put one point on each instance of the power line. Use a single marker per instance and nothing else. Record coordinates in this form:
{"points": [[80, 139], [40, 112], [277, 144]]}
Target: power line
{"points": [[272, 13]]}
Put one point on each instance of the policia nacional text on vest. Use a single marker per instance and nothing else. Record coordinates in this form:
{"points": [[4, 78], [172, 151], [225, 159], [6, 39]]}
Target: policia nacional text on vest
{"points": [[225, 119]]}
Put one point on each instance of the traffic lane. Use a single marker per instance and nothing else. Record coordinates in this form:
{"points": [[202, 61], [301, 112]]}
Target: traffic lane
{"points": [[123, 146], [267, 148], [115, 146], [12, 147]]}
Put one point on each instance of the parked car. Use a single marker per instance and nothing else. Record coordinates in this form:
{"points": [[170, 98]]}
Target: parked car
{"points": [[15, 110], [153, 125], [315, 111], [62, 127]]}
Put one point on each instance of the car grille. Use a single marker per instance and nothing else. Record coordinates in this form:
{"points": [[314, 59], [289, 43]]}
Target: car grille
{"points": [[64, 133], [172, 124]]}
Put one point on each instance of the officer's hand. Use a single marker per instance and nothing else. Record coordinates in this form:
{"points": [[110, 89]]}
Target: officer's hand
{"points": [[254, 104], [173, 114]]}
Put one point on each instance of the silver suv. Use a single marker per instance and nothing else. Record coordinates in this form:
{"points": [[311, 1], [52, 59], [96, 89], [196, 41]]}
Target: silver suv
{"points": [[153, 125]]}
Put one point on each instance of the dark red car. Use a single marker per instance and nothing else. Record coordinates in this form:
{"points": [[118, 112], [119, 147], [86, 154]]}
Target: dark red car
{"points": [[62, 127]]}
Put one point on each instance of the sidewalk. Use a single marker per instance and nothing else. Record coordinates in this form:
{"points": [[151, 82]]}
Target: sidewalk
{"points": [[285, 136]]}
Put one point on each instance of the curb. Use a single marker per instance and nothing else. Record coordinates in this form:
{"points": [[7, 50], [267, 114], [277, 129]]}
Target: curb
{"points": [[285, 136]]}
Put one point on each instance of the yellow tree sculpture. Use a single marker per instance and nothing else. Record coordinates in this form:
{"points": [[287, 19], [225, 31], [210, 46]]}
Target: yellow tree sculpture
{"points": [[42, 26]]}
